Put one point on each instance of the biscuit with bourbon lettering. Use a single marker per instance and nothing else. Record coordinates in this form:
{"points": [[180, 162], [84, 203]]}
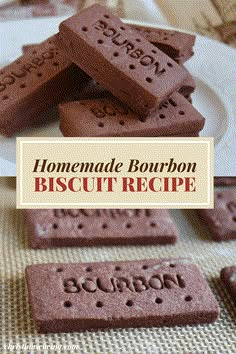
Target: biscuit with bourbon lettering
{"points": [[87, 296], [94, 90], [33, 83], [90, 227], [112, 53], [221, 221], [109, 117], [228, 277]]}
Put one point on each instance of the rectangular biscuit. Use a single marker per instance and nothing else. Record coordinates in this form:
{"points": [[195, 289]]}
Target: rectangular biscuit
{"points": [[91, 227], [33, 83], [93, 90], [109, 117], [177, 45], [84, 296], [228, 277], [225, 181], [112, 53], [221, 221]]}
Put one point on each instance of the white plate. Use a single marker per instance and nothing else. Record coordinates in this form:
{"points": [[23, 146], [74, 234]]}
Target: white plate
{"points": [[213, 66]]}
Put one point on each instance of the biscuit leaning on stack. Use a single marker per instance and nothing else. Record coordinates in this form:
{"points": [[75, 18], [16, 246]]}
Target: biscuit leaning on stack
{"points": [[135, 71], [146, 82]]}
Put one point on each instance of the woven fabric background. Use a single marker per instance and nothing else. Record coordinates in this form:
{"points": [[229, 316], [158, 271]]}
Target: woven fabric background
{"points": [[17, 327]]}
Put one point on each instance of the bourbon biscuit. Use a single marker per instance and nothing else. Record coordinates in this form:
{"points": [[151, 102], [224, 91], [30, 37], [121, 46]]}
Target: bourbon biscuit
{"points": [[109, 117], [91, 227], [36, 81], [87, 296], [112, 53]]}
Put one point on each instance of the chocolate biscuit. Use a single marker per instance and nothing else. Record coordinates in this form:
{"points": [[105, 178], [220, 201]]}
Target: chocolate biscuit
{"points": [[85, 296], [177, 45], [91, 227], [93, 90], [221, 221], [225, 181], [34, 2], [34, 83], [112, 53], [188, 87], [228, 277], [109, 117], [27, 47]]}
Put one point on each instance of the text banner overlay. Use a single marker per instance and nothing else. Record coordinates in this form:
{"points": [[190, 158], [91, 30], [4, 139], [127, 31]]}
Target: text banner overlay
{"points": [[115, 173]]}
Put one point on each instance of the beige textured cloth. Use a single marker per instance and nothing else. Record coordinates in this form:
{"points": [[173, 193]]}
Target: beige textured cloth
{"points": [[17, 327], [212, 18]]}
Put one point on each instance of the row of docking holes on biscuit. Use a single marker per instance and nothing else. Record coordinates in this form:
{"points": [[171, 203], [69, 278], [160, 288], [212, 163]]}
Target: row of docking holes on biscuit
{"points": [[39, 74], [116, 268], [122, 122], [116, 54], [104, 226], [128, 303]]}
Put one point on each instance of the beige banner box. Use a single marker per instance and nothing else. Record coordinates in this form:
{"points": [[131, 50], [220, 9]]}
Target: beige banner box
{"points": [[115, 173]]}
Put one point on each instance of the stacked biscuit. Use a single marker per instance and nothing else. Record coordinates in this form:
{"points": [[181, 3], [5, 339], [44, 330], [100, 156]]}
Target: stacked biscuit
{"points": [[143, 89]]}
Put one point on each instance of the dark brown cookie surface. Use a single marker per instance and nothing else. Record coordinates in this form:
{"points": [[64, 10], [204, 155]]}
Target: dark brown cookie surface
{"points": [[188, 87], [92, 90], [89, 227], [36, 81], [228, 277], [177, 45], [112, 53], [221, 221], [74, 297], [108, 117], [225, 181]]}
